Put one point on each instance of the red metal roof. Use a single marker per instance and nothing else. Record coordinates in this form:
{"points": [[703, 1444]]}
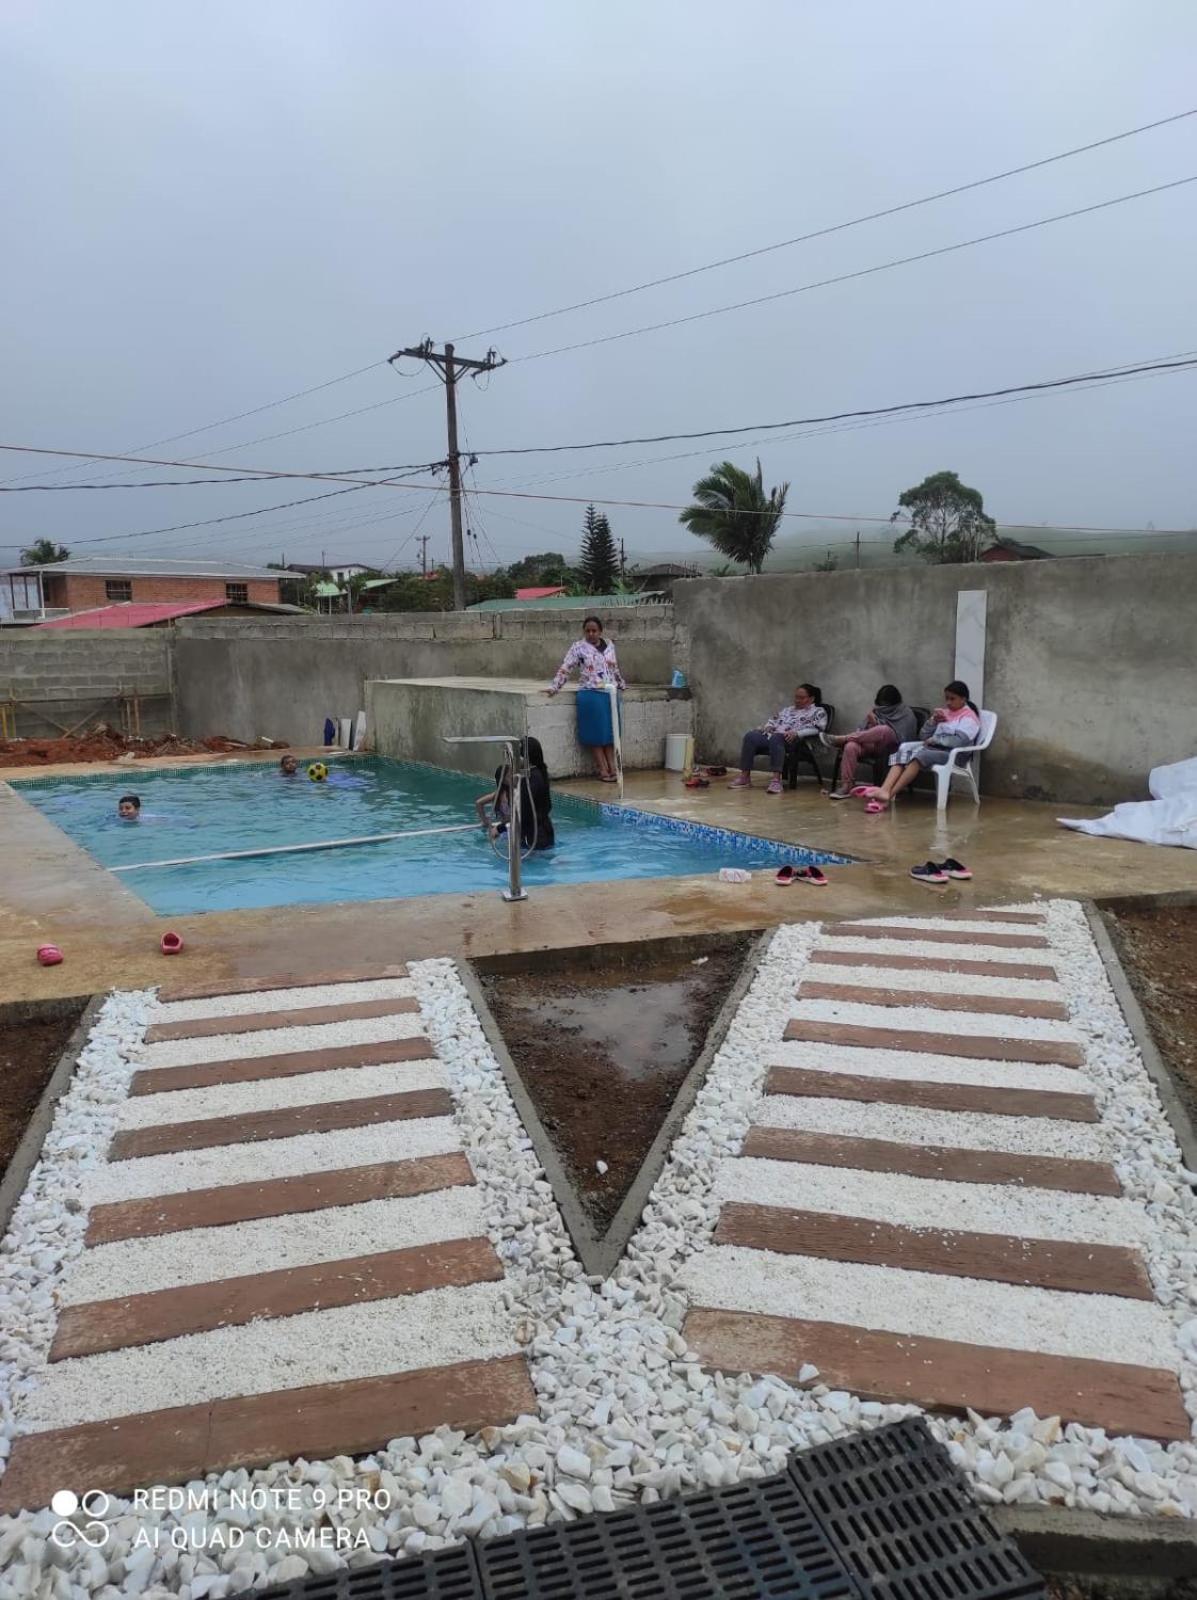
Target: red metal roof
{"points": [[539, 594], [132, 614]]}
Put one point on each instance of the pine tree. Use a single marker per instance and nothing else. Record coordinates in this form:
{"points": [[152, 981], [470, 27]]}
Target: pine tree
{"points": [[599, 562]]}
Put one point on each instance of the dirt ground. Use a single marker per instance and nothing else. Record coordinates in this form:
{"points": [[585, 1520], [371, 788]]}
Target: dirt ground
{"points": [[603, 1051], [1062, 1589], [106, 744], [29, 1052], [1159, 948]]}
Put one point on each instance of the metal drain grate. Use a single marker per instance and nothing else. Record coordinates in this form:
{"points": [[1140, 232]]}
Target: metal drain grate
{"points": [[755, 1541], [897, 1512], [878, 1516], [444, 1575]]}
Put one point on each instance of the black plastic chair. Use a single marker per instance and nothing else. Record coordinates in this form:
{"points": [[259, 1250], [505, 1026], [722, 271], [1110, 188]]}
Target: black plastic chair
{"points": [[879, 764], [804, 751]]}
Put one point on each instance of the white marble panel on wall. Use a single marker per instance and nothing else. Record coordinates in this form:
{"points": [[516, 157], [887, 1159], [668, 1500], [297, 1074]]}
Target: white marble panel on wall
{"points": [[971, 605]]}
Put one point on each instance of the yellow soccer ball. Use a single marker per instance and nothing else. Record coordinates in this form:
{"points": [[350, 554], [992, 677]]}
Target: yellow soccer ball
{"points": [[317, 772]]}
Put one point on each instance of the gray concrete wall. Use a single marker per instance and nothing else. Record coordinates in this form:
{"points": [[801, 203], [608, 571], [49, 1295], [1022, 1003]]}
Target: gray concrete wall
{"points": [[59, 676], [282, 677], [1090, 661]]}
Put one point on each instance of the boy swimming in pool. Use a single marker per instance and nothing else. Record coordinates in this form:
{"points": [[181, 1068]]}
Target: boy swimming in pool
{"points": [[128, 808], [288, 766]]}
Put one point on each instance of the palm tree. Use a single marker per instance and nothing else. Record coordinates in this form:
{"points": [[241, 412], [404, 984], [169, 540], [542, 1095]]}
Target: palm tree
{"points": [[733, 511], [44, 551]]}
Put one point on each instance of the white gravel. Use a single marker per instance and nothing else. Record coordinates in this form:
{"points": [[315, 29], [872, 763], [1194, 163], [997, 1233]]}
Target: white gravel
{"points": [[925, 981], [935, 1202], [865, 1062], [269, 1244], [1010, 1315], [1036, 1136], [146, 1176], [435, 1328], [856, 944], [303, 999], [281, 1041], [926, 1019]]}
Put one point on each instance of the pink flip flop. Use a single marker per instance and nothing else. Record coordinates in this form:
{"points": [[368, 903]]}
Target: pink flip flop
{"points": [[876, 807], [785, 876], [860, 790], [49, 955], [172, 943]]}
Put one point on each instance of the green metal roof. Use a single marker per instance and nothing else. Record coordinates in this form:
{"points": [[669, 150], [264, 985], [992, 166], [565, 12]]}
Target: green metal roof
{"points": [[569, 602], [325, 591]]}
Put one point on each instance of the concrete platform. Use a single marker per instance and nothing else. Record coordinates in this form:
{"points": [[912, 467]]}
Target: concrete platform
{"points": [[411, 717], [52, 890]]}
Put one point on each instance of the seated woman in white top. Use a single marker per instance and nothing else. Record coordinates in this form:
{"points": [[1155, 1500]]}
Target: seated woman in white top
{"points": [[951, 726], [806, 716]]}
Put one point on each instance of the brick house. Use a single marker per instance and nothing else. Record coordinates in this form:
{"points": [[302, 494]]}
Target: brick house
{"points": [[93, 581]]}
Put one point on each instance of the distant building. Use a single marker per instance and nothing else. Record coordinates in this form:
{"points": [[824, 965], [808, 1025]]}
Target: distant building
{"points": [[1014, 550], [91, 582], [661, 576], [340, 573], [159, 614], [543, 593]]}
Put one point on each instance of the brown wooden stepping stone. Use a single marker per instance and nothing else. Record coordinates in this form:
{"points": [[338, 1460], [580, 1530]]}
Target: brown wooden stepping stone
{"points": [[932, 1096], [986, 1004], [996, 1257], [319, 1421], [249, 1127], [944, 963], [944, 1374], [971, 1047], [932, 1161], [288, 1064], [222, 987], [275, 1197], [134, 1319], [1034, 918], [295, 1017], [885, 930]]}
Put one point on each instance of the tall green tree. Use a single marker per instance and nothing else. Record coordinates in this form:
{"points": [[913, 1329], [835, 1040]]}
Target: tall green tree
{"points": [[547, 568], [42, 551], [598, 565], [947, 520], [734, 513]]}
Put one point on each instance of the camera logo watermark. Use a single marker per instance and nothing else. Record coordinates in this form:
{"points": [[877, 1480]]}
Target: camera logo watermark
{"points": [[66, 1504]]}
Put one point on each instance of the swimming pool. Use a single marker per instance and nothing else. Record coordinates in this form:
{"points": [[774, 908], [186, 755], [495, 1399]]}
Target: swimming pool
{"points": [[192, 811]]}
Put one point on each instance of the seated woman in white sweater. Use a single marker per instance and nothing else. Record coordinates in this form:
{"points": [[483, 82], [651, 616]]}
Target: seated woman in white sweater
{"points": [[950, 726], [806, 716]]}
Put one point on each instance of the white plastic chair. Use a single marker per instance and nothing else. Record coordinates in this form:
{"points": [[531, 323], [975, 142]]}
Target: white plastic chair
{"points": [[967, 770]]}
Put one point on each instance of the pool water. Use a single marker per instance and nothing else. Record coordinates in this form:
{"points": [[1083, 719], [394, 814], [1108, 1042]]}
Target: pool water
{"points": [[244, 806]]}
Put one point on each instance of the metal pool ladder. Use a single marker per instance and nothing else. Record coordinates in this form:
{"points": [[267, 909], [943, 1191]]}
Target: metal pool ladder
{"points": [[513, 749]]}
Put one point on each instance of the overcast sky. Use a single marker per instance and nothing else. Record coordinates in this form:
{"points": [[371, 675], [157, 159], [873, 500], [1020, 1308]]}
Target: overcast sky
{"points": [[210, 206]]}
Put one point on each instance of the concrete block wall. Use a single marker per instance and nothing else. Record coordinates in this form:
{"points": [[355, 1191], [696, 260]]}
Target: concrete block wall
{"points": [[282, 677], [1090, 663], [71, 672]]}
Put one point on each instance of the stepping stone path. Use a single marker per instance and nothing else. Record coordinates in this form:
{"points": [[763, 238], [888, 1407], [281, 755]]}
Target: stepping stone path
{"points": [[924, 1208], [285, 1251]]}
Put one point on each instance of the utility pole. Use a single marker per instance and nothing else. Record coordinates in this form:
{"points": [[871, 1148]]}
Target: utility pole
{"points": [[858, 549], [449, 366], [423, 543]]}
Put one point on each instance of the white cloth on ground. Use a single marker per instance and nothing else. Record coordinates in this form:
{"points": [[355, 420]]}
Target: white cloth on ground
{"points": [[1169, 817]]}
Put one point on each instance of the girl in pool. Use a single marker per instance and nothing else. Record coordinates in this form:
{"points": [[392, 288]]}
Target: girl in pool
{"points": [[536, 801]]}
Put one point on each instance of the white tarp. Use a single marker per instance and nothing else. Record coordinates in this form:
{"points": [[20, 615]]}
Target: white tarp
{"points": [[1170, 817]]}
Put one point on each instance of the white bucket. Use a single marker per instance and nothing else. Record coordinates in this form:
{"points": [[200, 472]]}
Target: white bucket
{"points": [[679, 752]]}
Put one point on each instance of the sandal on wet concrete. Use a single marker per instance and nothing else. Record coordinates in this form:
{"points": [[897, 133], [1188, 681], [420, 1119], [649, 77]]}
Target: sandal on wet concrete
{"points": [[812, 875], [928, 873], [955, 869], [785, 876], [876, 807]]}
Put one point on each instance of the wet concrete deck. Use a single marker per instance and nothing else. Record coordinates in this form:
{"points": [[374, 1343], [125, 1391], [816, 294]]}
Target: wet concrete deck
{"points": [[50, 890]]}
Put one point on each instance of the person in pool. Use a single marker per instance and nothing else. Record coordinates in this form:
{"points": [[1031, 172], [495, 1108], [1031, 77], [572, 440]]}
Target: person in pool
{"points": [[288, 767], [536, 801], [128, 808]]}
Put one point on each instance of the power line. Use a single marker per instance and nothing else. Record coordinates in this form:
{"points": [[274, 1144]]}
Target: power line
{"points": [[837, 227], [862, 272], [519, 494], [253, 411], [207, 483], [842, 416]]}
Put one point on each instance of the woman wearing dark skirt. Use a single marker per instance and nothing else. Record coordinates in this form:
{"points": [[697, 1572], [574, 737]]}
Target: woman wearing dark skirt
{"points": [[593, 658]]}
